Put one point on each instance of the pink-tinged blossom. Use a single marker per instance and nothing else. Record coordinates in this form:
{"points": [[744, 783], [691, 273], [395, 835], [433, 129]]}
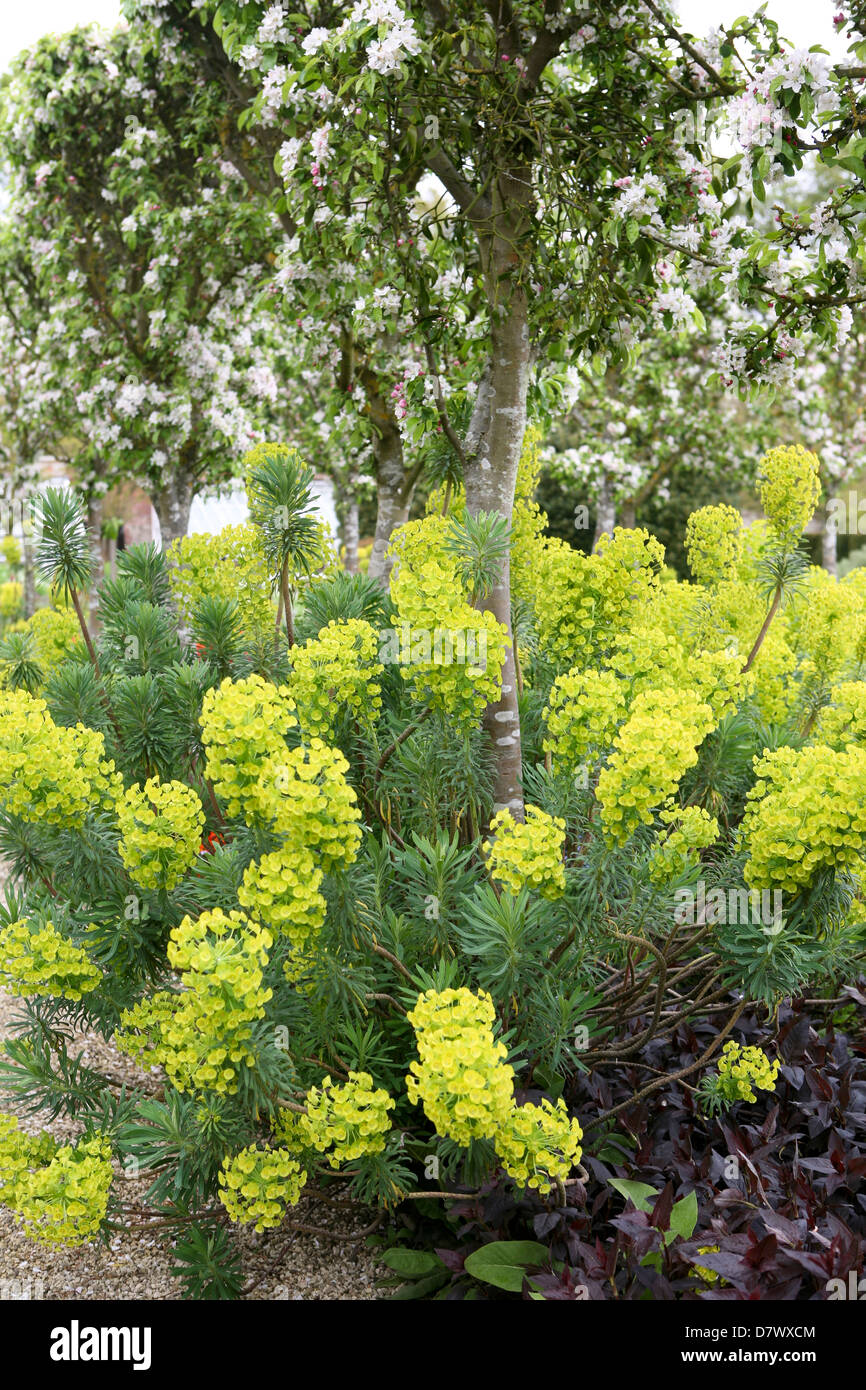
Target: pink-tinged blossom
{"points": [[320, 144]]}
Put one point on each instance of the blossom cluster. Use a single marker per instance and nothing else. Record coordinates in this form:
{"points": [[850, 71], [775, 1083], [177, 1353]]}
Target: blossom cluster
{"points": [[204, 1035], [258, 1183], [35, 958], [467, 1090], [346, 1121], [655, 746], [335, 673], [52, 773], [58, 1192], [743, 1068], [527, 854], [806, 812], [160, 826], [242, 725]]}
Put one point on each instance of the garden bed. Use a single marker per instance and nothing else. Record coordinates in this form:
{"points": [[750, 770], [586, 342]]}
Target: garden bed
{"points": [[137, 1265]]}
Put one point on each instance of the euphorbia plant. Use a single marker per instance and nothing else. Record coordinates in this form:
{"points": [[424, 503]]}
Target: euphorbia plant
{"points": [[351, 983]]}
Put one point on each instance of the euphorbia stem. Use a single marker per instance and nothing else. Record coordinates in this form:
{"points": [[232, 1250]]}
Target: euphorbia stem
{"points": [[392, 748], [91, 652], [518, 668], [277, 626], [287, 604], [764, 629]]}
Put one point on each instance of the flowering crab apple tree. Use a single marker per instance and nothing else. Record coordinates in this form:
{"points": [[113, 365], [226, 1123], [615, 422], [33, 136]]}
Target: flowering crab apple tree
{"points": [[825, 405], [669, 414], [30, 414], [627, 433], [334, 278], [553, 130], [147, 259]]}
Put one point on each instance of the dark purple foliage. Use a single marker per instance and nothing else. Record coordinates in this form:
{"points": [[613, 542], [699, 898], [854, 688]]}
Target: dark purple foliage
{"points": [[779, 1183]]}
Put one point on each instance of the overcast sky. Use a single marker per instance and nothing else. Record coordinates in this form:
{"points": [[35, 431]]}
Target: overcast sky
{"points": [[804, 22], [23, 23]]}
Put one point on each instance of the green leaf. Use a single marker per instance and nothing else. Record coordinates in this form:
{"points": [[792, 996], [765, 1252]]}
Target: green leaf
{"points": [[503, 1262], [412, 1264], [422, 1288], [684, 1218], [632, 231], [853, 164], [637, 1192]]}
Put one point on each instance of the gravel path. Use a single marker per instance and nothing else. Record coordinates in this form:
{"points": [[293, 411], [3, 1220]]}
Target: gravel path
{"points": [[136, 1266]]}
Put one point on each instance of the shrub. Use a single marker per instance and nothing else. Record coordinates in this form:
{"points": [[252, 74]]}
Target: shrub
{"points": [[272, 870]]}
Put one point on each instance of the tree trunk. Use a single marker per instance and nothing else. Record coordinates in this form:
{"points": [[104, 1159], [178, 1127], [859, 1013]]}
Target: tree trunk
{"points": [[493, 445], [349, 521], [605, 516], [29, 575], [172, 504], [97, 566], [628, 514], [393, 487], [829, 533]]}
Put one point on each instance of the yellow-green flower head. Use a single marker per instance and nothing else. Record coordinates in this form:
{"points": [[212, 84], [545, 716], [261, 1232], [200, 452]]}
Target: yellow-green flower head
{"points": [[827, 624], [228, 565], [584, 600], [142, 1033], [843, 721], [160, 825], [51, 773], [11, 599], [653, 749], [692, 829], [37, 959], [539, 1144], [714, 543], [790, 484], [806, 812], [206, 1037], [741, 1069], [282, 891], [58, 1193], [334, 673], [307, 799], [243, 723], [647, 658], [258, 1184], [10, 551], [527, 854], [582, 714], [460, 1078], [55, 633], [347, 1121], [450, 653]]}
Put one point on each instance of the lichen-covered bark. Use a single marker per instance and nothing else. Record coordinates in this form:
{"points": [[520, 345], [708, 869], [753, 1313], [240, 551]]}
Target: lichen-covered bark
{"points": [[172, 503], [605, 515], [829, 535], [394, 486], [493, 446], [350, 533], [94, 536]]}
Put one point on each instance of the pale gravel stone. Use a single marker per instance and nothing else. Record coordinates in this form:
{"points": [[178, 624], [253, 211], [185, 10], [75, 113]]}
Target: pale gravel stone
{"points": [[137, 1266]]}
